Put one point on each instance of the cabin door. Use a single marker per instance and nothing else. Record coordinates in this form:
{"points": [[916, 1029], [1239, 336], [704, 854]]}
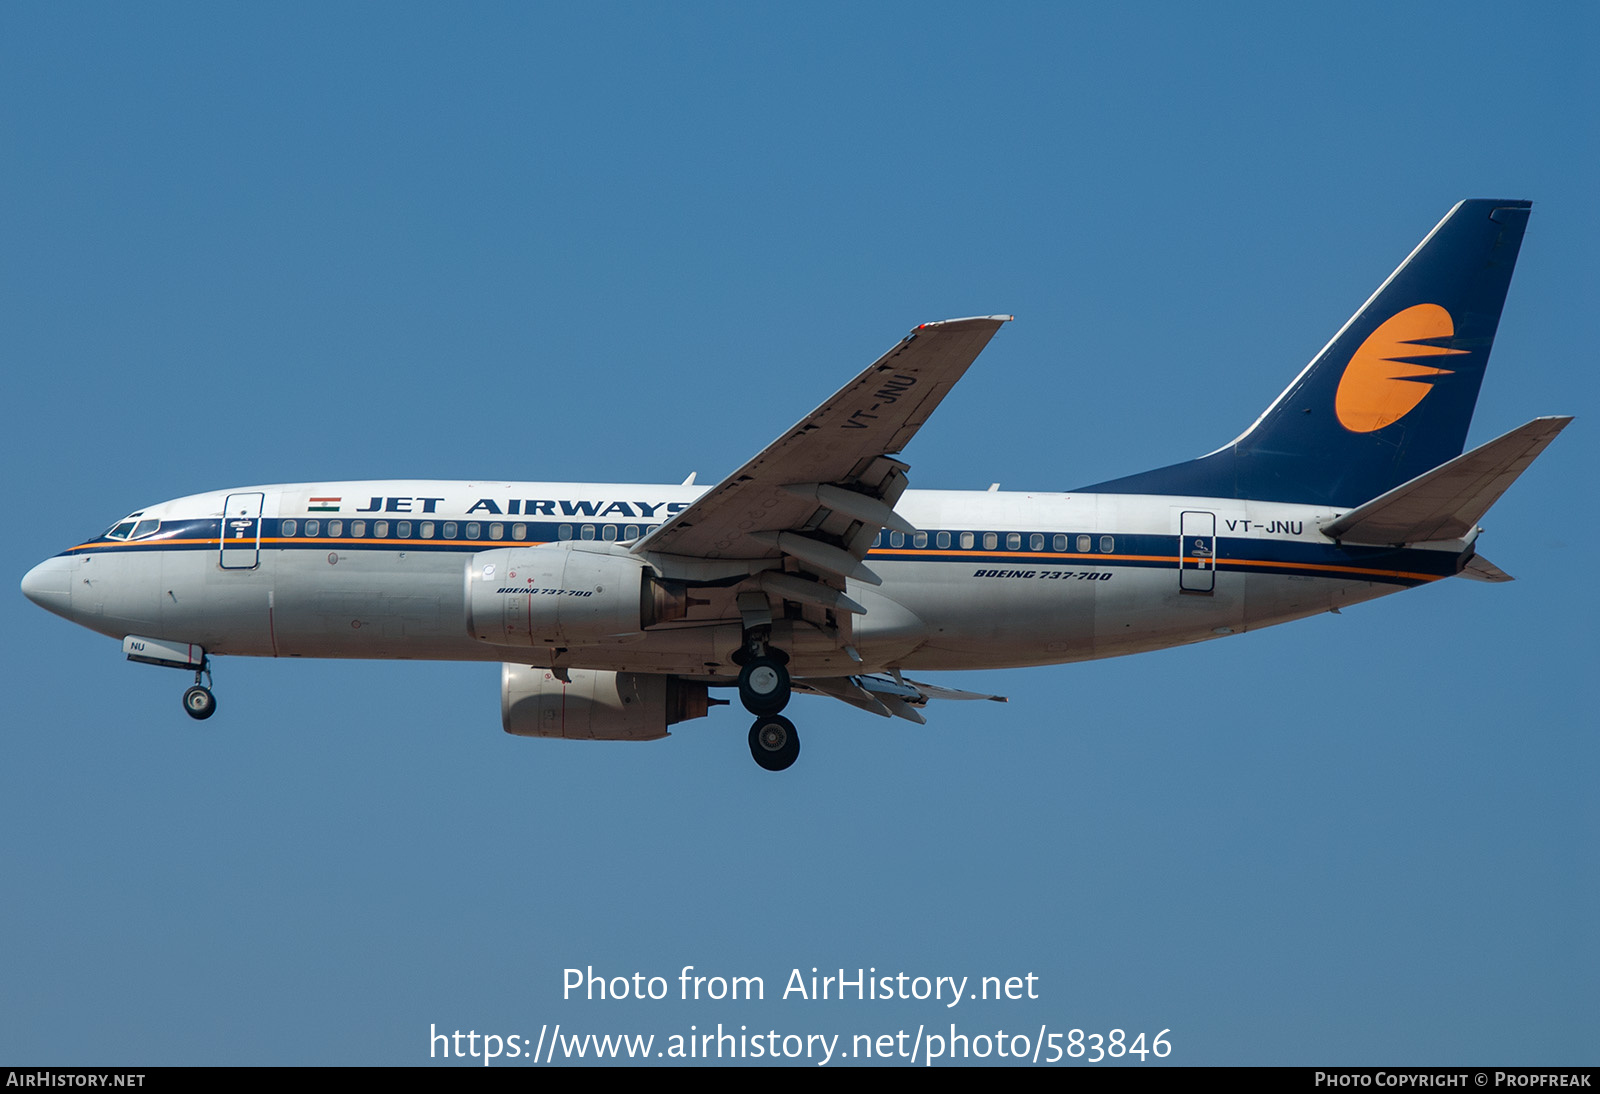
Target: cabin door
{"points": [[1197, 552], [241, 532]]}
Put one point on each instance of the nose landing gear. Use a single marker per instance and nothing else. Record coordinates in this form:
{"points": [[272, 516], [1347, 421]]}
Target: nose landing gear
{"points": [[198, 702]]}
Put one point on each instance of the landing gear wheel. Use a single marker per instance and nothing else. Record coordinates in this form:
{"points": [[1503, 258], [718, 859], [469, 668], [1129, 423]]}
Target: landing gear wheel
{"points": [[199, 703], [764, 686], [774, 742]]}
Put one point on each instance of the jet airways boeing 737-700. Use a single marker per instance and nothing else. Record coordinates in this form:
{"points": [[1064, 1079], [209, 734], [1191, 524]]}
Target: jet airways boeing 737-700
{"points": [[617, 609]]}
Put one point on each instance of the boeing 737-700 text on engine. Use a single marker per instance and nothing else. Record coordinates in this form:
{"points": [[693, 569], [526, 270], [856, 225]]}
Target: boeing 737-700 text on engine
{"points": [[616, 610]]}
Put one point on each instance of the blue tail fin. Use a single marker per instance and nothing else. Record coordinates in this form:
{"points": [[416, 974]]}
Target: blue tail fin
{"points": [[1391, 396]]}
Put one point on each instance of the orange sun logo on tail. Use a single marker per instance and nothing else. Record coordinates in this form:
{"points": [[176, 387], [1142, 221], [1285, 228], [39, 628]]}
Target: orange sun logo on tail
{"points": [[1381, 385]]}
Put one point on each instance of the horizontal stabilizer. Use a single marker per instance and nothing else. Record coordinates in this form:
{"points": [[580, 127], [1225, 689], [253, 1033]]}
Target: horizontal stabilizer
{"points": [[1447, 502], [1481, 569]]}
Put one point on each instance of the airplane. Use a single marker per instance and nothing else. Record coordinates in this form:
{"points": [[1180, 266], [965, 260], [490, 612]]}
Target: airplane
{"points": [[616, 610]]}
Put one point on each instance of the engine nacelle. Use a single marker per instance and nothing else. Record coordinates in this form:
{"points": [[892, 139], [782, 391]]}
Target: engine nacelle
{"points": [[568, 595], [596, 705]]}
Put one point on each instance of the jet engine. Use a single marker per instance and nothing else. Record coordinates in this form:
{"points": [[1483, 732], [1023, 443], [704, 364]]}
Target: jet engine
{"points": [[595, 705], [565, 595]]}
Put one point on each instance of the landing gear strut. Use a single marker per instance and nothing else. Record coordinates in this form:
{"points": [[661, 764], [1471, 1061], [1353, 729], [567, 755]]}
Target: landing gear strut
{"points": [[764, 690], [774, 742], [198, 702]]}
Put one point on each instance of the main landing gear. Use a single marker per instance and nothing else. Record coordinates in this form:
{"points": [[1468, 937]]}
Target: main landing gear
{"points": [[764, 691], [198, 702], [764, 685], [774, 742]]}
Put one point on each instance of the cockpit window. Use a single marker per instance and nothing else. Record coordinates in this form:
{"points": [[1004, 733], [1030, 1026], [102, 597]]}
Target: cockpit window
{"points": [[131, 527], [124, 527]]}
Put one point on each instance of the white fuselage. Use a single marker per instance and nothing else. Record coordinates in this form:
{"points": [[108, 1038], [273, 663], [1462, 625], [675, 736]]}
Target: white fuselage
{"points": [[386, 570]]}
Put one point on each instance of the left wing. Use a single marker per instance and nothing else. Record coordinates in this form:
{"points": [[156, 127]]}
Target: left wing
{"points": [[887, 696], [822, 491]]}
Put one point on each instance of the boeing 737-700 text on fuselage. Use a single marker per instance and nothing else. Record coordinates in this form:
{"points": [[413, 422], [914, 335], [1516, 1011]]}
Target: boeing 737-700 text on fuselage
{"points": [[617, 609]]}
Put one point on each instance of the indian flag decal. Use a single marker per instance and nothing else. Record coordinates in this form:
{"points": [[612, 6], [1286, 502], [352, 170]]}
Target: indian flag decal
{"points": [[323, 505]]}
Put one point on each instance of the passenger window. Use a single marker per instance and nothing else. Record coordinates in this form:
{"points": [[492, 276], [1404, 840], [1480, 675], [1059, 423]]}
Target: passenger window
{"points": [[1036, 542], [1083, 544], [877, 540], [1107, 544], [897, 539], [358, 528], [564, 532], [1059, 542], [609, 533], [426, 529], [402, 529], [652, 528], [380, 529], [1013, 541], [519, 531], [289, 527], [586, 532], [336, 527], [313, 527], [631, 532], [919, 540], [966, 540], [942, 539], [990, 541], [497, 531], [473, 529]]}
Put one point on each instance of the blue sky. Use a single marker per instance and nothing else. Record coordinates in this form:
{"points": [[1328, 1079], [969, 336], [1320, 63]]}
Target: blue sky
{"points": [[269, 244]]}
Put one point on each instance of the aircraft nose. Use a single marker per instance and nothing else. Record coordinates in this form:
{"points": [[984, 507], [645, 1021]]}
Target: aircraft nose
{"points": [[49, 585]]}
